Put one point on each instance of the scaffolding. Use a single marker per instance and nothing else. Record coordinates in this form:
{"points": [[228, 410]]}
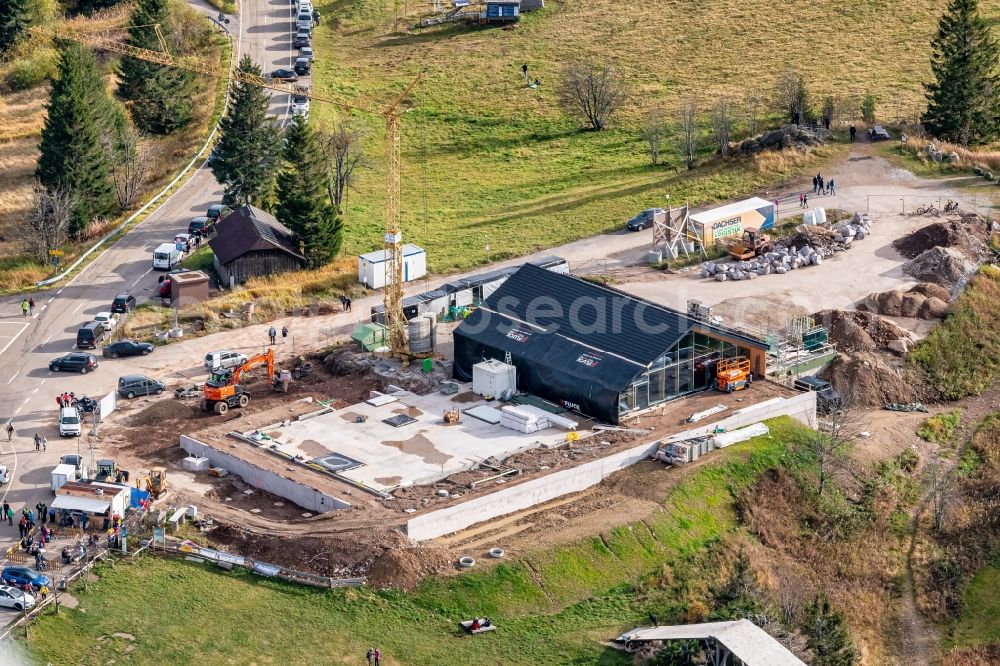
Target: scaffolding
{"points": [[797, 345], [671, 231]]}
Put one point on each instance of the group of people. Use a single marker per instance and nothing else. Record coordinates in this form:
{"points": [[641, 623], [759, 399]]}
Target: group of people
{"points": [[28, 307], [478, 624], [374, 656], [65, 399], [40, 443], [821, 186], [273, 334]]}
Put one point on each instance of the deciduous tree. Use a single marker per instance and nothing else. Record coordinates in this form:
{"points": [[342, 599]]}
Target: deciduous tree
{"points": [[962, 103], [653, 131], [722, 123], [73, 155], [689, 131], [302, 200], [246, 157], [792, 95], [47, 225], [595, 92], [344, 153]]}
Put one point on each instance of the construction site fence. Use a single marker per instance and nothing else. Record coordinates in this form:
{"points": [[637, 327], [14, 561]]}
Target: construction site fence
{"points": [[888, 204], [193, 550]]}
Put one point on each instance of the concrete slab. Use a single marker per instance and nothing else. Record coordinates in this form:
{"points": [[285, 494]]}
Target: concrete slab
{"points": [[415, 453]]}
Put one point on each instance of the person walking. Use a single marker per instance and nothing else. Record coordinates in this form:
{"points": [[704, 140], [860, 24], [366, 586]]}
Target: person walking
{"points": [[829, 188], [31, 307], [284, 334], [22, 526], [370, 656], [44, 442], [378, 656], [42, 514], [8, 513], [24, 307], [347, 308], [805, 201], [271, 333], [854, 132], [815, 183], [10, 430], [524, 72], [38, 443]]}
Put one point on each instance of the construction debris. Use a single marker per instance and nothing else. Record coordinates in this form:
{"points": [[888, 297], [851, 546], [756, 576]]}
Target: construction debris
{"points": [[944, 266], [965, 234], [809, 246]]}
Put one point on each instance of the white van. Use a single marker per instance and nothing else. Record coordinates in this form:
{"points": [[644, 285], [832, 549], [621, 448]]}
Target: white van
{"points": [[166, 256], [69, 422], [224, 360]]}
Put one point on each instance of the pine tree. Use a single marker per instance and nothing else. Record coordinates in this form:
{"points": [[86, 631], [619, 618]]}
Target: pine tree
{"points": [[14, 20], [74, 155], [962, 102], [246, 156], [827, 635], [302, 196], [160, 96]]}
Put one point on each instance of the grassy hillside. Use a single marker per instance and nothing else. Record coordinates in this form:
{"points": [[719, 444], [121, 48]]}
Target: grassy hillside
{"points": [[486, 156], [980, 620], [554, 606]]}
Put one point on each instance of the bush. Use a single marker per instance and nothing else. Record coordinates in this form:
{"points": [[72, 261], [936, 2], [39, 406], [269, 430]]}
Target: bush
{"points": [[940, 428], [32, 71]]}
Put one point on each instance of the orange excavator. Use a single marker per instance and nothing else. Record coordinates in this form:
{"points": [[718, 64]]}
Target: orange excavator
{"points": [[223, 389]]}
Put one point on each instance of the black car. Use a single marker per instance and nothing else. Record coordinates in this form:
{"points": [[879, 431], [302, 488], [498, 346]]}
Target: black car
{"points": [[201, 225], [123, 303], [127, 348], [217, 211], [284, 75], [827, 398], [72, 459], [302, 66], [82, 363], [130, 386], [643, 220], [302, 39]]}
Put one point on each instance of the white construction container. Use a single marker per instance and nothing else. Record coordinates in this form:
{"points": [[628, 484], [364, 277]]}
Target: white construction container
{"points": [[371, 266], [61, 475], [493, 379], [724, 439], [195, 464]]}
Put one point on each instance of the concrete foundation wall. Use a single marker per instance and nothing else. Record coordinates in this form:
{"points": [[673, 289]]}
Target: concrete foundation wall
{"points": [[801, 407], [294, 491]]}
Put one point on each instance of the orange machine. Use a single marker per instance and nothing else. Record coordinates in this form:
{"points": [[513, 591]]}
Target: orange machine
{"points": [[754, 244], [223, 389], [733, 374]]}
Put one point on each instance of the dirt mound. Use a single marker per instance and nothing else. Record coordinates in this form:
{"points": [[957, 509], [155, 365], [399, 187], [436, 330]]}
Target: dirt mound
{"points": [[933, 308], [847, 335], [964, 237], [403, 569], [930, 290], [874, 328], [911, 304], [943, 266], [865, 379], [890, 303], [162, 410]]}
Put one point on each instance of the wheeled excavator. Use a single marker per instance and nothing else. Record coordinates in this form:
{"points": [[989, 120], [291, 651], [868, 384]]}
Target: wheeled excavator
{"points": [[223, 391]]}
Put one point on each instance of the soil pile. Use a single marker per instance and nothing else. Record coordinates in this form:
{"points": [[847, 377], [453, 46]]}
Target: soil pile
{"points": [[403, 569], [866, 379], [864, 327], [966, 237], [943, 266], [922, 301], [160, 411]]}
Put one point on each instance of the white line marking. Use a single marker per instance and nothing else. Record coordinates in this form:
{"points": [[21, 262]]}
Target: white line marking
{"points": [[46, 340], [58, 292], [34, 391], [51, 299], [18, 410], [42, 383], [14, 377], [148, 271], [11, 341], [78, 306], [26, 400]]}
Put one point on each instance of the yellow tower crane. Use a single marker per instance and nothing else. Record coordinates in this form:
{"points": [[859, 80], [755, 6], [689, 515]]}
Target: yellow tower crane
{"points": [[395, 320]]}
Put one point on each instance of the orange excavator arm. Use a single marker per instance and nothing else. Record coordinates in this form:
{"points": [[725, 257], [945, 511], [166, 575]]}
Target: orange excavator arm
{"points": [[253, 362]]}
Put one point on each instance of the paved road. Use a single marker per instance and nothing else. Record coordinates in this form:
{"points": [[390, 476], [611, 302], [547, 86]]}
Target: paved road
{"points": [[27, 388]]}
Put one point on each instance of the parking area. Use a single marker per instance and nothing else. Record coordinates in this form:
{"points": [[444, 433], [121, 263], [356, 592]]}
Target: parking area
{"points": [[11, 331]]}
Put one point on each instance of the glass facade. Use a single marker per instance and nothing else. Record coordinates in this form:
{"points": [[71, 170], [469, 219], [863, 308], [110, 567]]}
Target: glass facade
{"points": [[685, 368]]}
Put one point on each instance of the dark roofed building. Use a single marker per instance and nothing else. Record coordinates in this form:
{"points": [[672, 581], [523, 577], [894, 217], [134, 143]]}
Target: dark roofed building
{"points": [[595, 349], [251, 242]]}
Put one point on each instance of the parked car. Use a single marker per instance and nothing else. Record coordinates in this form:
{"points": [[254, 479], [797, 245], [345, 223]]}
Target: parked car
{"points": [[184, 240], [201, 225], [123, 303], [130, 386], [69, 422], [19, 576], [224, 360], [827, 398], [89, 335], [11, 597], [79, 362], [302, 66], [307, 52], [302, 39], [300, 105], [283, 74], [108, 319], [72, 459], [128, 348], [643, 220], [217, 211]]}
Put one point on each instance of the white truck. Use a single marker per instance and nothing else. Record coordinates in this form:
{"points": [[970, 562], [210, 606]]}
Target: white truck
{"points": [[62, 474], [166, 256]]}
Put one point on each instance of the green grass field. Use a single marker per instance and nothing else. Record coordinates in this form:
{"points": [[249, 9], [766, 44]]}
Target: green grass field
{"points": [[980, 621], [555, 606], [486, 157]]}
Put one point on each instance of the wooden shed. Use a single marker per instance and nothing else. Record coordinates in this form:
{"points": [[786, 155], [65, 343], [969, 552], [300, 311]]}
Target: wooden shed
{"points": [[251, 242]]}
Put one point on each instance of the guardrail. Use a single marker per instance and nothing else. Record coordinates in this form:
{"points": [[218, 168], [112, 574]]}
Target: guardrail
{"points": [[192, 549], [111, 234]]}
